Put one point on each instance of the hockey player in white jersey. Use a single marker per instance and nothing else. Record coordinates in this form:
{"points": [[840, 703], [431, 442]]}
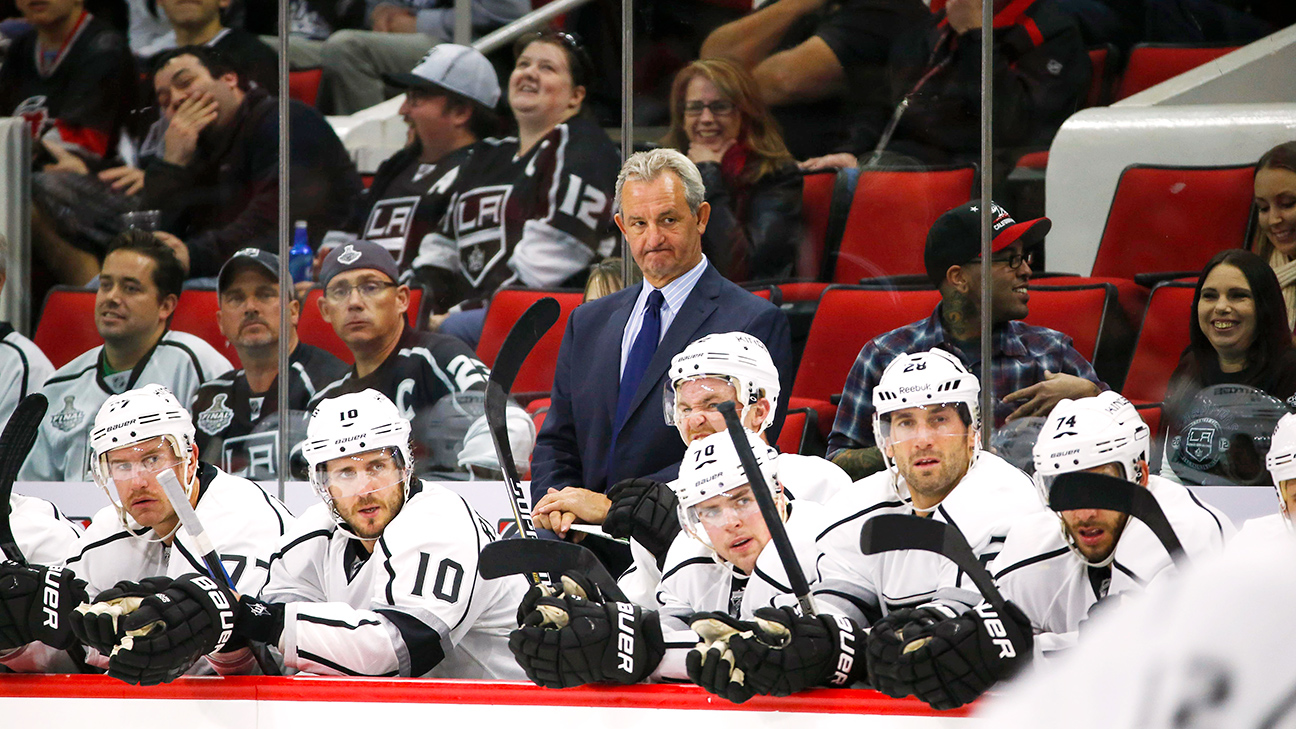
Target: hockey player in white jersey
{"points": [[1060, 567], [725, 367], [135, 548], [721, 564], [927, 423], [1281, 462], [45, 538], [381, 578]]}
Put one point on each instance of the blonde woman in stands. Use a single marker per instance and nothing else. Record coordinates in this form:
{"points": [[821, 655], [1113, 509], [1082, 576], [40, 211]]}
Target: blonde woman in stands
{"points": [[1275, 237], [604, 278], [752, 183]]}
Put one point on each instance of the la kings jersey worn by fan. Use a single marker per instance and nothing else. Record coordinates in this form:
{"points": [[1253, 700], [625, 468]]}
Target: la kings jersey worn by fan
{"points": [[226, 412], [804, 479], [414, 607], [26, 369], [1040, 573], [78, 98], [180, 361], [696, 580], [537, 219], [424, 368], [408, 199], [992, 496]]}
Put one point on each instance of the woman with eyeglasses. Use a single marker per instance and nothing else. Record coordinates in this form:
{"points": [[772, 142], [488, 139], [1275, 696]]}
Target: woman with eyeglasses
{"points": [[752, 182], [532, 209]]}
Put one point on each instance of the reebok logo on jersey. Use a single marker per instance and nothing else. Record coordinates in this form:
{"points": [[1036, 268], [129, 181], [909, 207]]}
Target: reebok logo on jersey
{"points": [[995, 627], [845, 651], [625, 638], [51, 598]]}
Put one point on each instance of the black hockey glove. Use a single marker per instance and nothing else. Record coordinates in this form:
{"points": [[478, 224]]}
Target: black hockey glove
{"points": [[96, 624], [887, 640], [950, 663], [711, 663], [171, 630], [645, 510], [35, 605], [789, 652], [569, 641], [571, 584], [258, 620]]}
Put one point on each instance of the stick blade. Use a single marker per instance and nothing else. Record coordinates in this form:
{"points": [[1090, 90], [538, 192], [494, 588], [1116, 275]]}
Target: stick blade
{"points": [[1086, 490], [15, 443], [894, 532], [532, 556]]}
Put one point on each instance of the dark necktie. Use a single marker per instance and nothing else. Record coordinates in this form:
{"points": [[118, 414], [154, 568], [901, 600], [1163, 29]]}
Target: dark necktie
{"points": [[641, 353]]}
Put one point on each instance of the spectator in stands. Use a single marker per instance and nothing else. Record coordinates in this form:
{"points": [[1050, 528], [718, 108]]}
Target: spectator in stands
{"points": [[400, 33], [816, 62], [450, 98], [199, 23], [217, 181], [1239, 334], [236, 414], [1040, 77], [138, 291], [1033, 367], [72, 78], [604, 278], [605, 422], [531, 210], [1275, 236], [310, 20], [752, 183], [28, 367], [146, 23]]}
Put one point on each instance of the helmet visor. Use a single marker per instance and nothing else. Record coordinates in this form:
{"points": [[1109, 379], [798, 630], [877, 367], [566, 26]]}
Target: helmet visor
{"points": [[685, 398], [354, 476], [942, 420]]}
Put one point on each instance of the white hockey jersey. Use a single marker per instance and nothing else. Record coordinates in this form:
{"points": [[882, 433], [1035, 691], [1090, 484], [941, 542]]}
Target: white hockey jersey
{"points": [[1262, 530], [415, 607], [807, 478], [79, 388], [43, 534], [1039, 572], [25, 369], [696, 580], [992, 496]]}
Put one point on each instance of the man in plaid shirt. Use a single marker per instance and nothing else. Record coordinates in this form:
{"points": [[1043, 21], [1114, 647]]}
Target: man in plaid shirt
{"points": [[1032, 367]]}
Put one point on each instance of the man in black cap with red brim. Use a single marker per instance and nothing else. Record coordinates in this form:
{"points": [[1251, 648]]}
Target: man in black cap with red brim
{"points": [[1032, 368]]}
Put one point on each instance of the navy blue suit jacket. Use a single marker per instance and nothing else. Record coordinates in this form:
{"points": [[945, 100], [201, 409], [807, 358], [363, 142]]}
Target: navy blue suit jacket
{"points": [[572, 446]]}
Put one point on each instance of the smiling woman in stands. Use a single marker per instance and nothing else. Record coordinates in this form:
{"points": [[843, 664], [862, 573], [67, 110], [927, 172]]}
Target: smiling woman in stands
{"points": [[752, 183], [1275, 202]]}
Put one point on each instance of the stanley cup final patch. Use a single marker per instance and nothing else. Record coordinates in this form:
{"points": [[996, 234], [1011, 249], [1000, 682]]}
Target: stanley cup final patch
{"points": [[216, 418], [69, 417]]}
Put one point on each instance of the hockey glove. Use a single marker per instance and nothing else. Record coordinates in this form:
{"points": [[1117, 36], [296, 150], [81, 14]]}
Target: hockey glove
{"points": [[789, 652], [96, 624], [572, 584], [952, 662], [645, 510], [35, 605], [258, 620], [171, 630], [569, 641], [893, 635], [711, 664]]}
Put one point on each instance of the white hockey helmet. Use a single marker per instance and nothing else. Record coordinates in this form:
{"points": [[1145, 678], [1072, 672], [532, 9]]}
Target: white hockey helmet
{"points": [[736, 357], [1281, 458], [924, 379], [351, 424], [711, 467]]}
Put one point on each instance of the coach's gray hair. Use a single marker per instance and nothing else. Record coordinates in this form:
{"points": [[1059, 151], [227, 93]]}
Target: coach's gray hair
{"points": [[648, 166]]}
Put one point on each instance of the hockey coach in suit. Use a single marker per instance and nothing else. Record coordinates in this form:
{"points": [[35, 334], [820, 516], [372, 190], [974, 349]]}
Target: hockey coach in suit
{"points": [[606, 421]]}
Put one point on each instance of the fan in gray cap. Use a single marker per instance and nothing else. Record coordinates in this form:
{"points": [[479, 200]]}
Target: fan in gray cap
{"points": [[449, 67], [355, 255]]}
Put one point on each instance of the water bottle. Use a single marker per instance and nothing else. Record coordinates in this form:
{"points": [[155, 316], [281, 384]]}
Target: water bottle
{"points": [[300, 255]]}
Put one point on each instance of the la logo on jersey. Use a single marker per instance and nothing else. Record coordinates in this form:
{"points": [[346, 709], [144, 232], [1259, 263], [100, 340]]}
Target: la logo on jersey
{"points": [[390, 222], [478, 217]]}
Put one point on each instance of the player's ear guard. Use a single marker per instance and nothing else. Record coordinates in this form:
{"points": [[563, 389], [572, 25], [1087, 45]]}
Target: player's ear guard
{"points": [[35, 605]]}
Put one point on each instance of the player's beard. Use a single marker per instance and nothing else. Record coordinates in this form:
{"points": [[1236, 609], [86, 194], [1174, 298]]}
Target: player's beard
{"points": [[389, 500]]}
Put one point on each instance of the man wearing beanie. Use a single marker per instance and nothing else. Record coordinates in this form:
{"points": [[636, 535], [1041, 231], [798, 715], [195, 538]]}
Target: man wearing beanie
{"points": [[1032, 368]]}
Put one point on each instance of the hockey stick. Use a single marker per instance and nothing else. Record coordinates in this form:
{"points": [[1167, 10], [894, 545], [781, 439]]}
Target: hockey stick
{"points": [[898, 532], [517, 556], [210, 557], [522, 338], [15, 443], [769, 510], [1085, 490]]}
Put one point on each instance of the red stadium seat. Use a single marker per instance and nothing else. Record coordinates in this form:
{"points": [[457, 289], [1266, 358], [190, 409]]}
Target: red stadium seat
{"points": [[67, 324], [799, 426], [312, 329], [304, 85], [849, 317], [506, 306], [825, 202], [1173, 218], [1100, 67], [890, 213], [196, 314], [1077, 311], [1151, 63], [1161, 340]]}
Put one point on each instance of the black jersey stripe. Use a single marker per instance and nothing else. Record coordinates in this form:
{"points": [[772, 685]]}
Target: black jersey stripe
{"points": [[777, 585], [338, 667], [26, 367], [333, 623], [1032, 560], [199, 566], [273, 508], [103, 542], [686, 563], [472, 589], [1129, 573], [1193, 496], [193, 356], [326, 534], [423, 644], [858, 514], [70, 376], [871, 613]]}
